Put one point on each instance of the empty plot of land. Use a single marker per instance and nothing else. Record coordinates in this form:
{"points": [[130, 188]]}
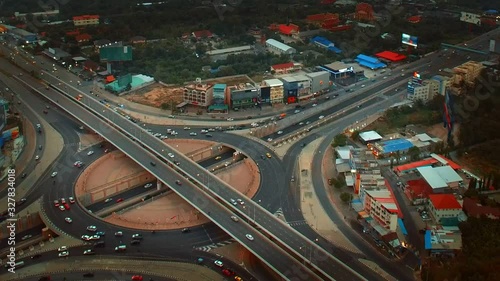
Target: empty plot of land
{"points": [[157, 95]]}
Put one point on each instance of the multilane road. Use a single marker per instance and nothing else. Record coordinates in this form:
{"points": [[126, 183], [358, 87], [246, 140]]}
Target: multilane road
{"points": [[277, 259]]}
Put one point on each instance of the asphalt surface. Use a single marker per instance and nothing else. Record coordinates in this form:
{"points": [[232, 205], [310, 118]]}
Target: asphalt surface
{"points": [[187, 190], [483, 42]]}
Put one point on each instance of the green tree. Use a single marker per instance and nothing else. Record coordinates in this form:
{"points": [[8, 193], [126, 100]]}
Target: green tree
{"points": [[355, 135], [339, 140], [414, 153], [346, 197]]}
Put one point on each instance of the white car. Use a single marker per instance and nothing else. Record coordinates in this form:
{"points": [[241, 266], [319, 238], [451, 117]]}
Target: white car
{"points": [[193, 134], [218, 263], [230, 119], [148, 185], [64, 254], [89, 252], [61, 208], [235, 218], [68, 220], [90, 152], [187, 128], [269, 139], [62, 249], [171, 155], [240, 201], [297, 111], [249, 237], [92, 228], [53, 174], [314, 104], [280, 132], [37, 157], [204, 131], [321, 117], [108, 200]]}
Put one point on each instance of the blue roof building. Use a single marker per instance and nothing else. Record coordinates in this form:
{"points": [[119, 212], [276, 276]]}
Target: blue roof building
{"points": [[370, 62], [325, 43], [391, 146]]}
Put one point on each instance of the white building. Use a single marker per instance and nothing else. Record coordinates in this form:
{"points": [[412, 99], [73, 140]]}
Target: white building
{"points": [[440, 178], [443, 206], [279, 48], [227, 51], [369, 136], [277, 90]]}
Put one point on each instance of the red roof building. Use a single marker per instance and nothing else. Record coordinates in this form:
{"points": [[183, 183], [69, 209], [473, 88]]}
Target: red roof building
{"points": [[73, 33], [86, 20], [473, 208], [202, 34], [405, 168], [390, 56], [283, 67], [418, 191], [415, 19], [444, 202], [83, 38], [288, 29], [364, 12], [321, 17]]}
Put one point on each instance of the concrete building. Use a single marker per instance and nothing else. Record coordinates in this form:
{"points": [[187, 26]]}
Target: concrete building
{"points": [[338, 70], [198, 94], [380, 205], [297, 87], [443, 241], [369, 137], [22, 16], [220, 100], [279, 48], [276, 94], [388, 147], [320, 82], [465, 74], [441, 178], [426, 90], [244, 95], [443, 206], [228, 51], [86, 20], [22, 35]]}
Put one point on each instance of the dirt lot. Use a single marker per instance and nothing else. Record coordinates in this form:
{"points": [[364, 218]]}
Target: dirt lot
{"points": [[156, 95], [440, 132]]}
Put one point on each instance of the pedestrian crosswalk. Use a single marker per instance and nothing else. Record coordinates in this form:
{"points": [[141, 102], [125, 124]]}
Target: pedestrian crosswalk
{"points": [[297, 223], [208, 248]]}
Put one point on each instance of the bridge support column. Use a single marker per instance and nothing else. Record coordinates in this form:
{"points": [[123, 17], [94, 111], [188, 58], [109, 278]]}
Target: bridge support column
{"points": [[158, 185]]}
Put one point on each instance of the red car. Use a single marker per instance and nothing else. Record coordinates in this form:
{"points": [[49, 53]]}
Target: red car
{"points": [[227, 272], [137, 278], [66, 206], [119, 200]]}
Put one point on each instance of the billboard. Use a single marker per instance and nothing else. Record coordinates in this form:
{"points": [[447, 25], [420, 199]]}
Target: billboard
{"points": [[470, 18], [115, 53], [10, 134], [409, 40]]}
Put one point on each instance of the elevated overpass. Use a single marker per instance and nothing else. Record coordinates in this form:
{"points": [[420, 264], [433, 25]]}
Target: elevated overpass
{"points": [[210, 197]]}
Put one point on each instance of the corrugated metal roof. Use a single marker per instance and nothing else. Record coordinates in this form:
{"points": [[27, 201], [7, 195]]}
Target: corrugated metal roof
{"points": [[278, 45]]}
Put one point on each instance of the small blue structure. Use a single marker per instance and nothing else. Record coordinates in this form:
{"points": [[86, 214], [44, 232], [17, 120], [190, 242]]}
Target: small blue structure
{"points": [[370, 62], [402, 227], [325, 43]]}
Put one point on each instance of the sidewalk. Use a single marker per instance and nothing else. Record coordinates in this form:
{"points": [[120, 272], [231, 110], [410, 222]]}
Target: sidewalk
{"points": [[165, 269], [311, 207]]}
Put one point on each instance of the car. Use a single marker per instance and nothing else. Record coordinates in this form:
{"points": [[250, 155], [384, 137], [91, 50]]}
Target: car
{"points": [[23, 175], [152, 163], [68, 220], [118, 234], [187, 128], [204, 131], [89, 252], [235, 218], [148, 185], [56, 203], [135, 242], [233, 202], [314, 104], [94, 237], [92, 228], [61, 208], [64, 254], [85, 237], [186, 230], [66, 206], [227, 272], [237, 278], [137, 236], [268, 155], [71, 200], [263, 157], [171, 155], [208, 135], [100, 233], [121, 248], [321, 117], [63, 201], [90, 152], [230, 119], [297, 111], [62, 249], [137, 278], [240, 201], [280, 132], [249, 237], [53, 174], [108, 200], [218, 158], [292, 179], [218, 263], [26, 237], [177, 163], [178, 182], [119, 200], [269, 139]]}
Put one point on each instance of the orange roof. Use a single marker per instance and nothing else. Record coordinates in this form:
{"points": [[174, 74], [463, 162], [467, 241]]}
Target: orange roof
{"points": [[282, 66], [414, 19], [444, 201], [85, 17], [83, 37], [202, 33], [414, 165], [110, 79], [392, 56]]}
